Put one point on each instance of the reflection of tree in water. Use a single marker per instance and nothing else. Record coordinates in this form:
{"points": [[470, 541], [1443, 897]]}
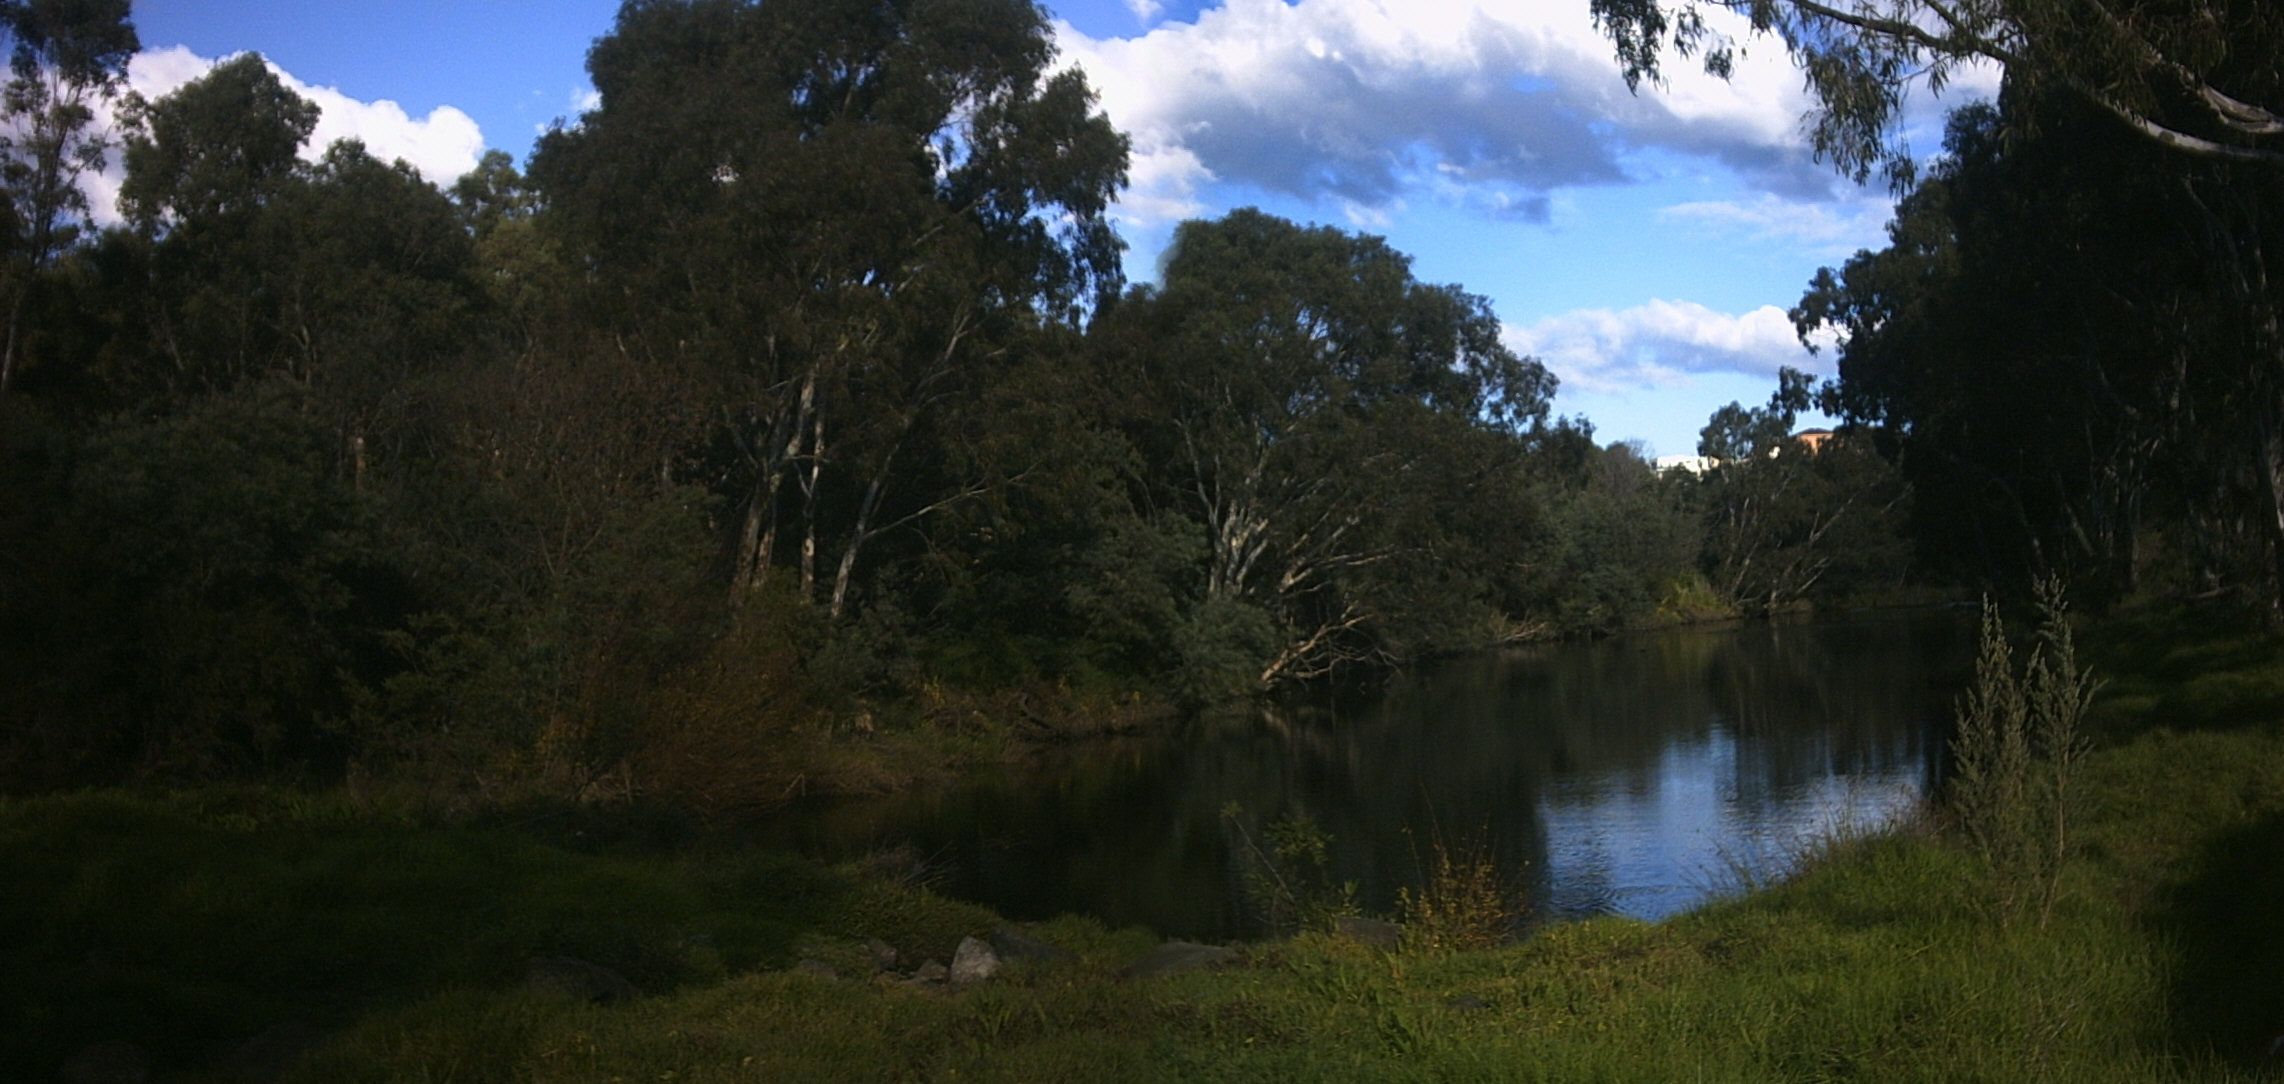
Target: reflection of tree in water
{"points": [[1810, 701], [1525, 750]]}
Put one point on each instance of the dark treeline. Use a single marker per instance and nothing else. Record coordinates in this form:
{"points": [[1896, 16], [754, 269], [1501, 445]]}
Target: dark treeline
{"points": [[2072, 344], [2071, 348], [795, 390]]}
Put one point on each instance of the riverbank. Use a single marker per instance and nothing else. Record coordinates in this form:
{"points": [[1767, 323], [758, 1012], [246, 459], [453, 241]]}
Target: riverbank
{"points": [[378, 942]]}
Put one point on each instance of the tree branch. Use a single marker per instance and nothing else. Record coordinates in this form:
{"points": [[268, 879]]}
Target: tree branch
{"points": [[2176, 139]]}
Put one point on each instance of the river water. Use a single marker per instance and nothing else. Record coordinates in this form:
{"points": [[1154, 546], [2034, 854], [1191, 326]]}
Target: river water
{"points": [[1638, 775]]}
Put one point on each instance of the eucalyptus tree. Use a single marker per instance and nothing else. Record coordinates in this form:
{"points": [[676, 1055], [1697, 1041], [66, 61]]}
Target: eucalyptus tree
{"points": [[218, 148], [2196, 77], [2050, 359], [68, 61], [347, 272], [836, 215], [1785, 521], [2194, 80], [204, 163], [211, 571], [1303, 398]]}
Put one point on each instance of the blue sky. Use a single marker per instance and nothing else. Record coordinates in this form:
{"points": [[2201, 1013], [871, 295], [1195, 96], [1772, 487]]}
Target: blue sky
{"points": [[1643, 246]]}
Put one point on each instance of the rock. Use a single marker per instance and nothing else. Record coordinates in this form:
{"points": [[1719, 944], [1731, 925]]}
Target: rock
{"points": [[1368, 931], [883, 954], [973, 961], [273, 1053], [1175, 957], [578, 980], [1014, 944], [819, 968], [931, 972], [113, 1062]]}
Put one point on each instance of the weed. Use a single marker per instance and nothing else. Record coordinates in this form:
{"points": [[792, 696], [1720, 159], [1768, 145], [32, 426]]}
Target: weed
{"points": [[1289, 882], [2020, 738], [1464, 900]]}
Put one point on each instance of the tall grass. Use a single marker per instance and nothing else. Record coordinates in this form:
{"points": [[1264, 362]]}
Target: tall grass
{"points": [[2020, 738], [1464, 900]]}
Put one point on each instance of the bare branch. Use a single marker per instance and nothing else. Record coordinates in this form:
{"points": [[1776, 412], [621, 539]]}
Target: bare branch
{"points": [[2178, 140]]}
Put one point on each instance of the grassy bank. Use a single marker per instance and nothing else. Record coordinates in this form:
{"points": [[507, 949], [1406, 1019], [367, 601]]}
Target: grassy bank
{"points": [[189, 924]]}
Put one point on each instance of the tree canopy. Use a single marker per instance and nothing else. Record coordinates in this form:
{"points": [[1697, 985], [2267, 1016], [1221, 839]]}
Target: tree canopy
{"points": [[2197, 77], [791, 394]]}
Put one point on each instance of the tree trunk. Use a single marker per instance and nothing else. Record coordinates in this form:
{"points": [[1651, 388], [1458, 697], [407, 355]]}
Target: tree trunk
{"points": [[809, 481], [8, 352], [757, 536], [857, 537], [2272, 473]]}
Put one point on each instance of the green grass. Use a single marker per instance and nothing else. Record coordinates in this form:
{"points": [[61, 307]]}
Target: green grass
{"points": [[184, 922]]}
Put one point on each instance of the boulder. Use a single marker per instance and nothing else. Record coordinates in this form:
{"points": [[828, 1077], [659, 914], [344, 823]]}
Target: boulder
{"points": [[818, 968], [883, 954], [1368, 931], [1014, 944], [1175, 957], [577, 980], [932, 972], [973, 961]]}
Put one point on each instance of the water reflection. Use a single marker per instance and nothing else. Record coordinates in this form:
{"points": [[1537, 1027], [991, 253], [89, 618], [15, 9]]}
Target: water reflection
{"points": [[1634, 776]]}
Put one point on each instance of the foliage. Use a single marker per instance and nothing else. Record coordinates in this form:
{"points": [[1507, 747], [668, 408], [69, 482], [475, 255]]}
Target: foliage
{"points": [[842, 221], [1463, 902], [1326, 421], [67, 58], [2051, 347], [2124, 291], [2015, 758], [215, 149], [1288, 872], [2179, 75], [191, 922], [207, 585], [1612, 538]]}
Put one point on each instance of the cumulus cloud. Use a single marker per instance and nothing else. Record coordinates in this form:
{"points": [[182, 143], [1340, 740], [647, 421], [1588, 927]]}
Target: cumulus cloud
{"points": [[442, 145], [1360, 102], [1661, 344]]}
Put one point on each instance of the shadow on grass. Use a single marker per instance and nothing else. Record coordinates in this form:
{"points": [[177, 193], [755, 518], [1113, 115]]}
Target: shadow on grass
{"points": [[2202, 668], [2226, 919], [188, 924]]}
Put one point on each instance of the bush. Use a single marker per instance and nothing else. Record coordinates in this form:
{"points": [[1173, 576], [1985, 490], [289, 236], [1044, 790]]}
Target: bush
{"points": [[1464, 900], [2019, 740], [1288, 882]]}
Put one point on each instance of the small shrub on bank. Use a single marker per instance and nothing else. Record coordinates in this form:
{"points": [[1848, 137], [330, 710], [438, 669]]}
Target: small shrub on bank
{"points": [[2014, 757], [1464, 900], [1286, 870]]}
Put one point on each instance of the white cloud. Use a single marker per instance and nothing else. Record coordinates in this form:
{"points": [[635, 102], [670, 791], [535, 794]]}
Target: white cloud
{"points": [[1145, 10], [1660, 344], [1833, 230], [1360, 101], [1363, 101], [442, 145]]}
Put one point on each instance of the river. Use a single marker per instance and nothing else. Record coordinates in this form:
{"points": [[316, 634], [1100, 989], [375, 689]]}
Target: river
{"points": [[1638, 775]]}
